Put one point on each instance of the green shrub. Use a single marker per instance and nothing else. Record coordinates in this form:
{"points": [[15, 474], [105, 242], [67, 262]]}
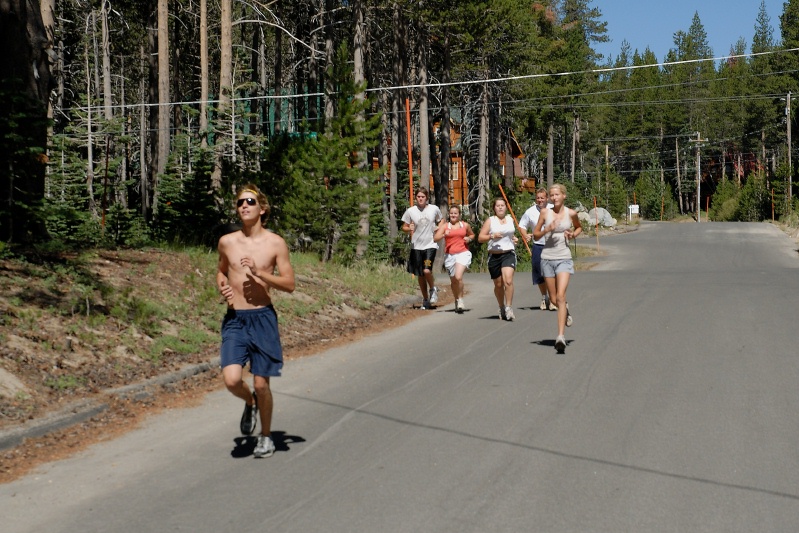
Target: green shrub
{"points": [[754, 200]]}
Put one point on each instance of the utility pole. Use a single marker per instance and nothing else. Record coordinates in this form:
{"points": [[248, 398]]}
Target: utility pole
{"points": [[698, 140]]}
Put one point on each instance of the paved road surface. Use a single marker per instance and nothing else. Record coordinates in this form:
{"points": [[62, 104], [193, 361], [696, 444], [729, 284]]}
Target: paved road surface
{"points": [[675, 408]]}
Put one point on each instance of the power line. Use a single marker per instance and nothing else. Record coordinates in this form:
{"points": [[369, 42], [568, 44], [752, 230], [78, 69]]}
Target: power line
{"points": [[461, 83]]}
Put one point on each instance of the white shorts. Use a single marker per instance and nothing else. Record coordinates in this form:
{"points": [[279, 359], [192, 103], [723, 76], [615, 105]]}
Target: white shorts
{"points": [[463, 258]]}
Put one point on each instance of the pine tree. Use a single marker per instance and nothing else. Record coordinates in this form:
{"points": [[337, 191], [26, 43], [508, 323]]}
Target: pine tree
{"points": [[324, 203]]}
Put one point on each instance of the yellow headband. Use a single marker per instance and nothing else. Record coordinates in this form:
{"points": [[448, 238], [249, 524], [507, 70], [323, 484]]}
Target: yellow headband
{"points": [[249, 190]]}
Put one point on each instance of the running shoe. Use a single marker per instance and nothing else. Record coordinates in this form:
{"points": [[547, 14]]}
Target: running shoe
{"points": [[459, 305], [560, 344], [248, 418], [509, 314], [552, 307], [434, 296], [502, 313], [544, 303], [264, 448], [426, 304], [569, 319]]}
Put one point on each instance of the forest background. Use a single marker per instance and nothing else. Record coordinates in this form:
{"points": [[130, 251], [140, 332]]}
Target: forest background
{"points": [[131, 123]]}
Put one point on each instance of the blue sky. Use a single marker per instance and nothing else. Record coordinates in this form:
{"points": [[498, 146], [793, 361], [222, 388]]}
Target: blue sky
{"points": [[653, 23]]}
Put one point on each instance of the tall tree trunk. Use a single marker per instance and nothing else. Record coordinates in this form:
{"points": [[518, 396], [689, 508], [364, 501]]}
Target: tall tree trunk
{"points": [[482, 165], [255, 87], [108, 100], [723, 163], [740, 169], [389, 207], [204, 74], [278, 73], [144, 178], [393, 178], [263, 109], [225, 88], [25, 69], [47, 10], [329, 54], [176, 111], [163, 98], [89, 140], [575, 140], [313, 71], [424, 119], [396, 110], [120, 187], [550, 156], [152, 98], [359, 39], [444, 128]]}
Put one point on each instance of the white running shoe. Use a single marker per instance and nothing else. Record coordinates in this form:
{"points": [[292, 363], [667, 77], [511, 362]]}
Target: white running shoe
{"points": [[560, 344], [509, 314], [544, 303], [569, 319], [264, 448], [459, 305], [434, 296]]}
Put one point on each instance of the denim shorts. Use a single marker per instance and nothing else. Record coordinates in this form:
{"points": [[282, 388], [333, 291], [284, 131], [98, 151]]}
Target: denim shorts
{"points": [[551, 267]]}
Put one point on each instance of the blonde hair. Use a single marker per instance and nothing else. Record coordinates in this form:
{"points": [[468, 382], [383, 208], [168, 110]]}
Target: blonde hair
{"points": [[263, 202], [559, 186]]}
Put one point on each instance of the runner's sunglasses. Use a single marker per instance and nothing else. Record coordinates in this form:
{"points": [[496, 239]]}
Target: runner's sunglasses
{"points": [[250, 201]]}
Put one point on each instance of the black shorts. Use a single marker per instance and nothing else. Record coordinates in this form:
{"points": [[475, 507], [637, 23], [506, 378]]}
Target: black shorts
{"points": [[538, 277], [496, 262], [421, 260]]}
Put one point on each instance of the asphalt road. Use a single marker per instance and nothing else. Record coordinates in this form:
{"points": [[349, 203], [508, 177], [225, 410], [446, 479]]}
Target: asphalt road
{"points": [[675, 408]]}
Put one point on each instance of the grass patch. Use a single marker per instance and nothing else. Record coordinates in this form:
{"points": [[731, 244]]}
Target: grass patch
{"points": [[65, 383]]}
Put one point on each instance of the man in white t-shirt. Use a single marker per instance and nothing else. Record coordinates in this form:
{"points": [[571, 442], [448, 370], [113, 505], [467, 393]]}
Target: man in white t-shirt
{"points": [[527, 223], [420, 222]]}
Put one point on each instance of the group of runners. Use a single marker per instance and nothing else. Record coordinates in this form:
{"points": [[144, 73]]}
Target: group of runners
{"points": [[548, 224], [254, 260]]}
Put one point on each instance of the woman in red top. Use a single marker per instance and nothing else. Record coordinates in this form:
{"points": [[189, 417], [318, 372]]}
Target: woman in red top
{"points": [[457, 234]]}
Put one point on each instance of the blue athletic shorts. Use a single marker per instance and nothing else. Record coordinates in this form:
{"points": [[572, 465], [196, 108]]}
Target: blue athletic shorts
{"points": [[551, 267], [538, 276], [496, 262], [251, 335]]}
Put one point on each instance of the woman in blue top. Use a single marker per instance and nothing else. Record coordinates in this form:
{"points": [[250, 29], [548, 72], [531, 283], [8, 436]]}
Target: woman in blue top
{"points": [[499, 231], [558, 224]]}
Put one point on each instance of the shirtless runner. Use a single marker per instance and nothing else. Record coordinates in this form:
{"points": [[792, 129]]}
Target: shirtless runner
{"points": [[251, 261]]}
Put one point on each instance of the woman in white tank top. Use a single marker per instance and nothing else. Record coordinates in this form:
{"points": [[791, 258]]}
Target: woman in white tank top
{"points": [[558, 225], [499, 231]]}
